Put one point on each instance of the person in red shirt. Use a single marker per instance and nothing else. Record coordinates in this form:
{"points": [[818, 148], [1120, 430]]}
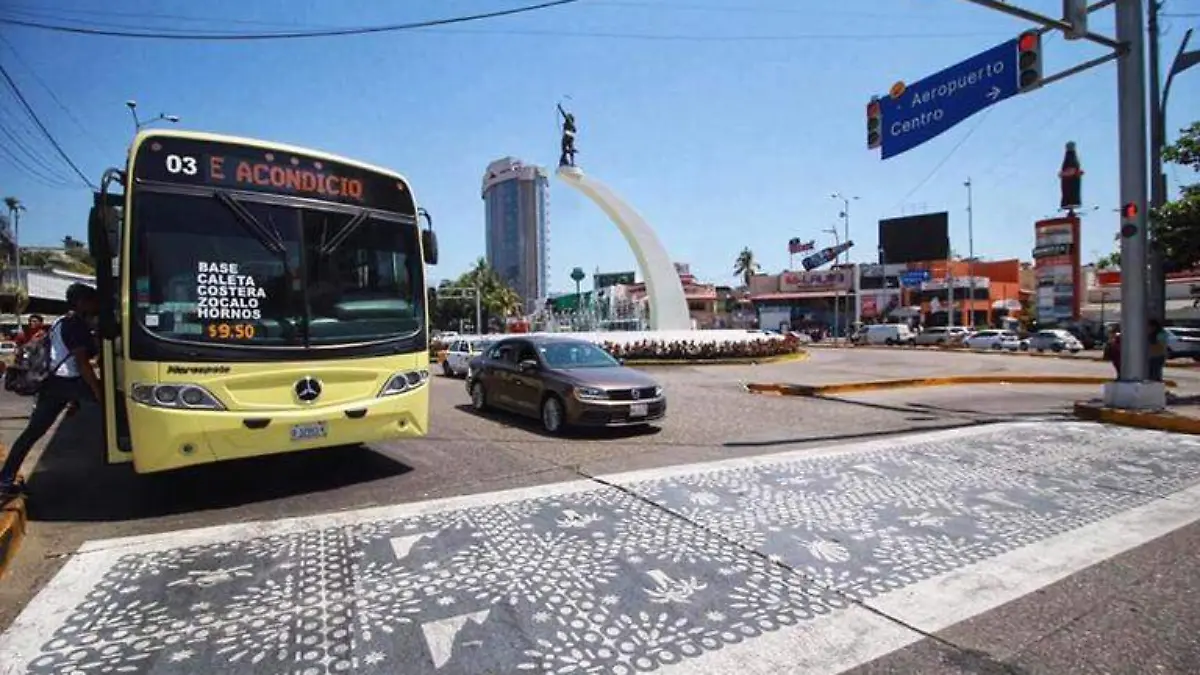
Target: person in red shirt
{"points": [[33, 330]]}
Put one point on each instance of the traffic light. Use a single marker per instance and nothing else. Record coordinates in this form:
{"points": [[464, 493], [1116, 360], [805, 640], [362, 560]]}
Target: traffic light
{"points": [[1129, 211], [1029, 61], [874, 122]]}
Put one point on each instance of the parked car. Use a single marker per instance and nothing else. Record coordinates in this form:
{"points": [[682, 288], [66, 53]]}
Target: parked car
{"points": [[890, 334], [1055, 340], [459, 355], [994, 339], [563, 382], [1183, 342], [941, 335]]}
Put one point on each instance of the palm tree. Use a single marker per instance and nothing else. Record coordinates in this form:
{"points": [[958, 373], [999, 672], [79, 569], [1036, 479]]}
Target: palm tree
{"points": [[745, 266]]}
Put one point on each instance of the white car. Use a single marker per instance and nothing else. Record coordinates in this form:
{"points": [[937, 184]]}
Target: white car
{"points": [[459, 355], [1183, 342], [994, 339], [1055, 340], [890, 334], [941, 335]]}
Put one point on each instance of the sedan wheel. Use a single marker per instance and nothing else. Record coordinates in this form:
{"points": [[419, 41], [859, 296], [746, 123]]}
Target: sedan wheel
{"points": [[552, 414], [478, 397]]}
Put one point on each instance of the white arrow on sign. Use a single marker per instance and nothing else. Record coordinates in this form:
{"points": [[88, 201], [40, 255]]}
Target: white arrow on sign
{"points": [[994, 93]]}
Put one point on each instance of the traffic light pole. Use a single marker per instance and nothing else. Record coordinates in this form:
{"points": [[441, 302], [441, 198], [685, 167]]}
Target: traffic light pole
{"points": [[1131, 390], [1131, 139]]}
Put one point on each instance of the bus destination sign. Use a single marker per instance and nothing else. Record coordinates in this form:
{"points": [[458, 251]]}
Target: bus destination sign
{"points": [[244, 167]]}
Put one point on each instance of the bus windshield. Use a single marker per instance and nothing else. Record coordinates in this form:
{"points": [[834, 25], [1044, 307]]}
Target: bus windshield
{"points": [[258, 272]]}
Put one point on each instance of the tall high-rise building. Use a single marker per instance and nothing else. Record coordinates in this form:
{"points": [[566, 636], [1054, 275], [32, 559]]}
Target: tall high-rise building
{"points": [[516, 199]]}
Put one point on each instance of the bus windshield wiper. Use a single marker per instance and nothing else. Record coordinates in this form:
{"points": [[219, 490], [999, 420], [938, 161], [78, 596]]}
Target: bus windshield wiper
{"points": [[344, 233], [271, 240]]}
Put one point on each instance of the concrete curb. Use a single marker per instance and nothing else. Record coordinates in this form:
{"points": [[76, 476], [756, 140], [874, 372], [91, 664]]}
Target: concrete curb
{"points": [[989, 352], [12, 531], [747, 361], [1161, 421], [843, 387]]}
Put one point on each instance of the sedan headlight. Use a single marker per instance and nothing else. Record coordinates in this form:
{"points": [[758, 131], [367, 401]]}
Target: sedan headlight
{"points": [[590, 394], [405, 381], [180, 396], [658, 391]]}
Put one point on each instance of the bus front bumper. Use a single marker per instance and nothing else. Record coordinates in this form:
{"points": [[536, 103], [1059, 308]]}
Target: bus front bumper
{"points": [[165, 439]]}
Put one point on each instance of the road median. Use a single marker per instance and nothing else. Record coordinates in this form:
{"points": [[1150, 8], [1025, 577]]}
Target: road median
{"points": [[1161, 420], [907, 383]]}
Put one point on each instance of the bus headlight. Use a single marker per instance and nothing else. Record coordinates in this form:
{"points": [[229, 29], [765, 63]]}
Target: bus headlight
{"points": [[179, 396], [406, 381]]}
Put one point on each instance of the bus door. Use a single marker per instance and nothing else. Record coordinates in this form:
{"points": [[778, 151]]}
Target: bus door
{"points": [[104, 242]]}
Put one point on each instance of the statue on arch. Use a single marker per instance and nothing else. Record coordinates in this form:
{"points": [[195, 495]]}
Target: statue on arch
{"points": [[567, 156]]}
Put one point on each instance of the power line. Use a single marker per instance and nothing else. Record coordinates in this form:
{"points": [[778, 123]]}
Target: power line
{"points": [[50, 137], [122, 29], [49, 91], [945, 159], [330, 32]]}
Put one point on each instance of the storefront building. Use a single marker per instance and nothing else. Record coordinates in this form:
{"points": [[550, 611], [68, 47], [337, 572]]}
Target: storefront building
{"points": [[805, 300]]}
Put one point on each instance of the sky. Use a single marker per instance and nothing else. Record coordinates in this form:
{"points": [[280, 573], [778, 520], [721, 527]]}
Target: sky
{"points": [[725, 123]]}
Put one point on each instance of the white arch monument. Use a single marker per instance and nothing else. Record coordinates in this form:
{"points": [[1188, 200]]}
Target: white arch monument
{"points": [[668, 306]]}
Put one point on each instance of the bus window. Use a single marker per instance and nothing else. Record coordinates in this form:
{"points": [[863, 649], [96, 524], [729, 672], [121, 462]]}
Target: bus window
{"points": [[366, 284]]}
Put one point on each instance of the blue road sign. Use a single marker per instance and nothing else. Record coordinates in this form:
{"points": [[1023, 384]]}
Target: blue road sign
{"points": [[914, 277], [933, 105]]}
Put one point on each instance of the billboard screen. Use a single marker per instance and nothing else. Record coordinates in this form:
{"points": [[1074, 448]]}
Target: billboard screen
{"points": [[917, 238]]}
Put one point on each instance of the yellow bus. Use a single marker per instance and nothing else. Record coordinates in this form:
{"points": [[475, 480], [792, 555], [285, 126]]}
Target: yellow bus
{"points": [[258, 298]]}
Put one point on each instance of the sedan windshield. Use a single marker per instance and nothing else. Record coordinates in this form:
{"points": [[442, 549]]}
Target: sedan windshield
{"points": [[216, 269], [576, 355]]}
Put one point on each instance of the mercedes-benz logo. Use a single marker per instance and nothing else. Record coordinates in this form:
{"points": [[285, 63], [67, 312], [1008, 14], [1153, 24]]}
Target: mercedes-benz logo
{"points": [[308, 388], [635, 394]]}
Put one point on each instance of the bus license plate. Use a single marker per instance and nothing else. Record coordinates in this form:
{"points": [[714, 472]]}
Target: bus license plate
{"points": [[305, 432], [638, 410]]}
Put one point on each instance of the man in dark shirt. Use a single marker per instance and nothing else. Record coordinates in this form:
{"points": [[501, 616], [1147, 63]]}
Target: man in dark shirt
{"points": [[71, 380]]}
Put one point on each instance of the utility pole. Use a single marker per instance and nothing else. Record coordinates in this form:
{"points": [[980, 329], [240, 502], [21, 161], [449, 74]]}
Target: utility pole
{"points": [[837, 296], [15, 207], [1131, 139], [1156, 290], [845, 215], [971, 254]]}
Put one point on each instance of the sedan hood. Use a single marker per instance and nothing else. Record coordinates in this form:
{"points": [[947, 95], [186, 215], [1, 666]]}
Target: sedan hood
{"points": [[608, 378]]}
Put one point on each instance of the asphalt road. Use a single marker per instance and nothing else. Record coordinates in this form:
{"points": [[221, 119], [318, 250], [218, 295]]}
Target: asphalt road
{"points": [[711, 418]]}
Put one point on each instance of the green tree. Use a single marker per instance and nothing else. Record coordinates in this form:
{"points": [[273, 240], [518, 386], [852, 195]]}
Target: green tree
{"points": [[1109, 261], [745, 265], [1177, 224], [498, 300]]}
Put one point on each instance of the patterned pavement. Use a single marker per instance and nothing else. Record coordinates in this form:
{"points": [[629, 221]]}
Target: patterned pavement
{"points": [[820, 560]]}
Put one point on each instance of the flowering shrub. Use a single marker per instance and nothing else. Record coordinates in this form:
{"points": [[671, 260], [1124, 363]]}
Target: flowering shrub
{"points": [[690, 350], [683, 350]]}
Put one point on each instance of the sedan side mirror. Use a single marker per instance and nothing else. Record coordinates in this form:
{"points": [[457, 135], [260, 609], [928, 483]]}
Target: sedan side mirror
{"points": [[528, 365], [621, 361]]}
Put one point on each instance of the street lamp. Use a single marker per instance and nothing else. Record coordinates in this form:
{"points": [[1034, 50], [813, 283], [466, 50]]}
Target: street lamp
{"points": [[970, 256], [845, 216], [138, 124], [1158, 141]]}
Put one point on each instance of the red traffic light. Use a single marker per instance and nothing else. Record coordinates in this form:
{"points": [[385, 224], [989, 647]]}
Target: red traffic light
{"points": [[1028, 41], [873, 109], [1129, 211]]}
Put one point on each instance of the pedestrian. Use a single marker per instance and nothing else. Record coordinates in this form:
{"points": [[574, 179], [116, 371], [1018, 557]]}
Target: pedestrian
{"points": [[1112, 349], [1158, 350], [71, 379]]}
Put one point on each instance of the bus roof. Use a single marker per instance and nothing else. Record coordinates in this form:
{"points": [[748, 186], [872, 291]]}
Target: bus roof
{"points": [[148, 134]]}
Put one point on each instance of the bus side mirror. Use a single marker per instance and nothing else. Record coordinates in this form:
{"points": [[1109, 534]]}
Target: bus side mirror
{"points": [[429, 244]]}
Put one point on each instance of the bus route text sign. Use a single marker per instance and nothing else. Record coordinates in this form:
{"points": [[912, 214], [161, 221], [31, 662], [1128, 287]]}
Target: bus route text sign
{"points": [[191, 161]]}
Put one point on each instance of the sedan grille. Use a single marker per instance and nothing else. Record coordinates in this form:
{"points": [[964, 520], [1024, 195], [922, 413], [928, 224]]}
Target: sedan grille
{"points": [[627, 394]]}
